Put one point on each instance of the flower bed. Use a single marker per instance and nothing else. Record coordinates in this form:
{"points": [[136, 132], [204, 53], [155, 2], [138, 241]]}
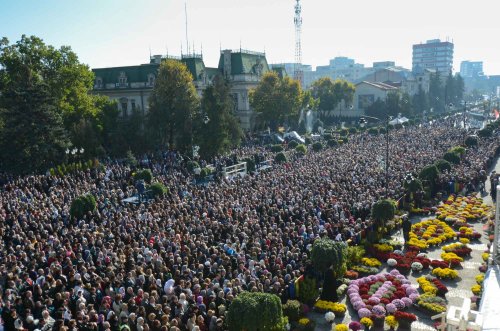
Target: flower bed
{"points": [[468, 209], [323, 306], [365, 270], [452, 258], [404, 262], [445, 273], [431, 304], [430, 233], [468, 233], [432, 285], [370, 296], [461, 250]]}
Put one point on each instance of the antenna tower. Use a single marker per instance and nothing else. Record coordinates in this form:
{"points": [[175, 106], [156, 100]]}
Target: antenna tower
{"points": [[298, 74], [186, 17]]}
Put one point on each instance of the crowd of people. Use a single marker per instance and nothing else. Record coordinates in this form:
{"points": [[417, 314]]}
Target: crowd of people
{"points": [[176, 263]]}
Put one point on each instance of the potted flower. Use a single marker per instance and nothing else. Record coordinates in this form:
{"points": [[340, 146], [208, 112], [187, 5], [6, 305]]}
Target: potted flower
{"points": [[341, 327], [330, 317], [416, 266], [366, 322], [392, 263], [355, 326], [405, 319], [391, 322]]}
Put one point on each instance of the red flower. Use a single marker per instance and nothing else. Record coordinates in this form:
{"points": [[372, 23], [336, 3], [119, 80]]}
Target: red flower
{"points": [[401, 315]]}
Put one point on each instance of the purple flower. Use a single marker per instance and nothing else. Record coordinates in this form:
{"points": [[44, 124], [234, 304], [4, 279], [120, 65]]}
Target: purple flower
{"points": [[378, 310], [398, 303], [407, 301], [410, 290], [394, 272], [363, 312], [355, 326], [358, 305], [375, 300], [391, 308], [414, 297]]}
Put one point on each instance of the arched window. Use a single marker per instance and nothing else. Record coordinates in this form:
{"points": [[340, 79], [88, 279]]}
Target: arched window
{"points": [[151, 80], [122, 79], [124, 106], [98, 82]]}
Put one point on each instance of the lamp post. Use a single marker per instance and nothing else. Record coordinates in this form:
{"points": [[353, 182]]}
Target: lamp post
{"points": [[362, 122]]}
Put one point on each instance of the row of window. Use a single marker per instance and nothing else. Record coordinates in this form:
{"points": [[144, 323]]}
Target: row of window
{"points": [[122, 81]]}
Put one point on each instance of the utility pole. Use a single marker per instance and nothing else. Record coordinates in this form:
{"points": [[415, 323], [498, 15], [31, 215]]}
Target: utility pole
{"points": [[298, 73]]}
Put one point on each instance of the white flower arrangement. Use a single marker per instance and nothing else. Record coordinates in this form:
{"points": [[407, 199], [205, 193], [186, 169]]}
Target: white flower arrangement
{"points": [[417, 266], [392, 262], [329, 317]]}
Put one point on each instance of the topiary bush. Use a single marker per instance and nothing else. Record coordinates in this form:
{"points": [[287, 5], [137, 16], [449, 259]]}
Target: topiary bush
{"points": [[292, 310], [429, 173], [383, 210], [158, 189], [332, 143], [317, 146], [452, 157], [205, 172], [276, 148], [145, 175], [373, 131], [250, 164], [280, 158], [301, 149], [81, 205], [398, 126], [292, 144], [255, 311], [327, 253], [352, 130], [191, 165], [485, 133], [130, 159], [382, 130], [443, 165], [308, 290], [459, 150], [344, 132], [471, 141]]}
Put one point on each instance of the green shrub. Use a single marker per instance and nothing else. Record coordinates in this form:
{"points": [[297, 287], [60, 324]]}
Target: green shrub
{"points": [[205, 172], [280, 158], [81, 205], [344, 132], [352, 130], [307, 141], [429, 173], [452, 157], [471, 141], [276, 148], [459, 150], [191, 165], [317, 146], [383, 210], [255, 311], [250, 164], [145, 175], [414, 186], [292, 310], [301, 148], [373, 131], [485, 133], [382, 130], [158, 189], [130, 159], [398, 126], [443, 165], [292, 144], [354, 255], [327, 253], [308, 290], [332, 143]]}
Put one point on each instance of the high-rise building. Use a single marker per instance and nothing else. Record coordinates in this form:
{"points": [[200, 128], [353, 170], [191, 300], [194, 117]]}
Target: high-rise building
{"points": [[471, 69], [435, 55]]}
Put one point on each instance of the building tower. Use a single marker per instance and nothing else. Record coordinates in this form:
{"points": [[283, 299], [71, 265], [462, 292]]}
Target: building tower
{"points": [[298, 74]]}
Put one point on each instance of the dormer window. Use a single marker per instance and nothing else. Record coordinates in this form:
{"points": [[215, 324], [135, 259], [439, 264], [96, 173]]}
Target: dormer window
{"points": [[98, 82], [151, 80], [122, 79]]}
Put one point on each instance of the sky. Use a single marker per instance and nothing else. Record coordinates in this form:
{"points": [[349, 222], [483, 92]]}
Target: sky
{"points": [[106, 33]]}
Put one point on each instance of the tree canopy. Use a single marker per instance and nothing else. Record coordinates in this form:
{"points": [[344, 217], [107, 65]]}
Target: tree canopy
{"points": [[277, 100], [331, 93], [173, 106]]}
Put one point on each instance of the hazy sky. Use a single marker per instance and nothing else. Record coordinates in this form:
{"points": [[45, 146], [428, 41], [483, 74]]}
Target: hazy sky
{"points": [[120, 32]]}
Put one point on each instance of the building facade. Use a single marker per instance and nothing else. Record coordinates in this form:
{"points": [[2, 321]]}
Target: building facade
{"points": [[471, 69], [434, 54], [131, 86]]}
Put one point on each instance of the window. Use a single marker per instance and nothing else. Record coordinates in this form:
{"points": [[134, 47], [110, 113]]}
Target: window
{"points": [[122, 79], [132, 103], [98, 82], [151, 80], [124, 104]]}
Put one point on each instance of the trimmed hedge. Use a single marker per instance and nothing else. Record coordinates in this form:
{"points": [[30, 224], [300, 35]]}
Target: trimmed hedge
{"points": [[158, 189], [443, 165], [471, 141], [255, 311], [276, 148], [452, 157], [373, 131], [191, 165], [301, 148], [145, 175], [280, 158], [250, 164], [292, 144], [81, 205], [317, 146], [332, 143]]}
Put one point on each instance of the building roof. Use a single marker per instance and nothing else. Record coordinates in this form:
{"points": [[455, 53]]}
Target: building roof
{"points": [[378, 85], [137, 73], [245, 62]]}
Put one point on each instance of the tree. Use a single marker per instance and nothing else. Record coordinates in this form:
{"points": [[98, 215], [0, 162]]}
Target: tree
{"points": [[81, 205], [419, 101], [331, 93], [277, 100], [429, 173], [436, 93], [255, 311], [173, 105], [383, 210], [377, 109], [329, 257], [32, 138], [218, 130]]}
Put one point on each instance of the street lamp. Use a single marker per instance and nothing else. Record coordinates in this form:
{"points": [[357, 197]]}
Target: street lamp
{"points": [[362, 122]]}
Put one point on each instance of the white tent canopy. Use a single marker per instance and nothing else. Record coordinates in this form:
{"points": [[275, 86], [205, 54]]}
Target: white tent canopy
{"points": [[399, 120]]}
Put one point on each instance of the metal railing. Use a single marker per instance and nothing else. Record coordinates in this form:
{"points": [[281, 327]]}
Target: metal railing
{"points": [[237, 169]]}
